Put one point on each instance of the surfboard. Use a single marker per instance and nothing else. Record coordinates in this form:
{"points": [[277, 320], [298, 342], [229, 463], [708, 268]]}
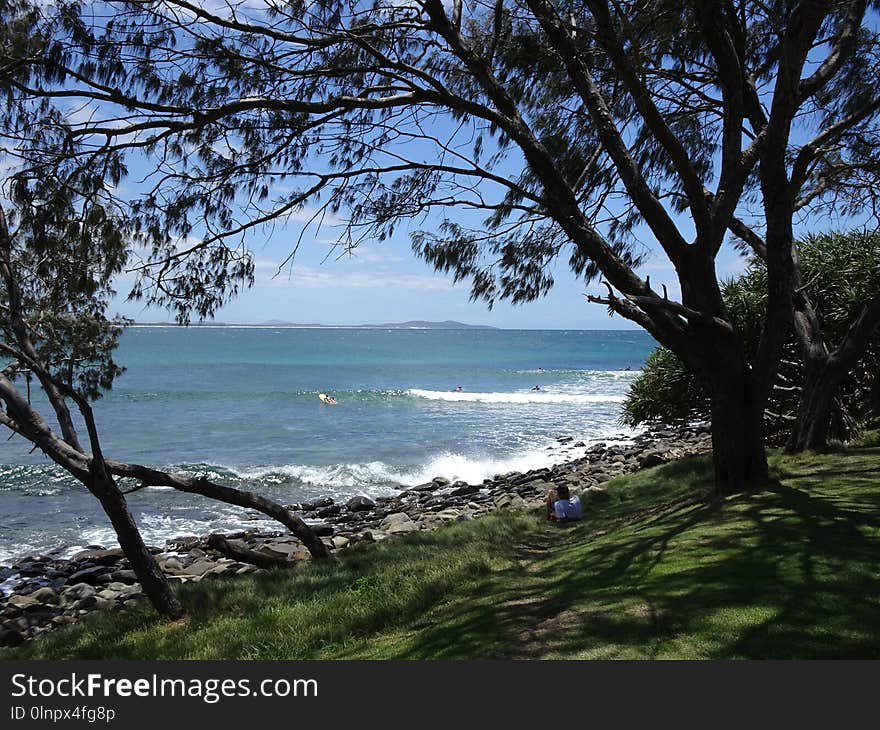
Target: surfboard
{"points": [[324, 398]]}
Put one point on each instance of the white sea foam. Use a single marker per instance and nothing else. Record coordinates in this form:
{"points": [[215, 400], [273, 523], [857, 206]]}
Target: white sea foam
{"points": [[536, 396], [376, 478]]}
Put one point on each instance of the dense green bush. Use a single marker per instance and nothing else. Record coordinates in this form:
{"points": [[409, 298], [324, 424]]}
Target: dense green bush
{"points": [[841, 271]]}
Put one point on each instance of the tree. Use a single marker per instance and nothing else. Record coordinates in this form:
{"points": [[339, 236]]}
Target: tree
{"points": [[843, 274], [571, 128], [837, 331], [58, 256]]}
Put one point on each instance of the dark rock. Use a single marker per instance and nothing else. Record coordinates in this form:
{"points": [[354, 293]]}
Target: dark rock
{"points": [[11, 637], [440, 481], [124, 576], [322, 529], [30, 567], [597, 448], [429, 487], [564, 439], [579, 444], [464, 489], [650, 459], [6, 573], [89, 575], [360, 504], [329, 511]]}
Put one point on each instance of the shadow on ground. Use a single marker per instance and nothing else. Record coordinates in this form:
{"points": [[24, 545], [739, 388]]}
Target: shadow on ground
{"points": [[791, 572]]}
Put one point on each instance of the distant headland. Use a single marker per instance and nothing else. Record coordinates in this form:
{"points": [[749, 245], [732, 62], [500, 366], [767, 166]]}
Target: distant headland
{"points": [[448, 324]]}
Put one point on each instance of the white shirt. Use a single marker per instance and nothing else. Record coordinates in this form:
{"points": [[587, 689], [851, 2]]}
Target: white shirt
{"points": [[567, 509]]}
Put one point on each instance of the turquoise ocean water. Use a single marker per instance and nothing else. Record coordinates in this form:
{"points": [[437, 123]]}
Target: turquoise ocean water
{"points": [[240, 405]]}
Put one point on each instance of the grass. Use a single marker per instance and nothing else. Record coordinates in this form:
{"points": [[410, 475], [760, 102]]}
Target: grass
{"points": [[657, 571]]}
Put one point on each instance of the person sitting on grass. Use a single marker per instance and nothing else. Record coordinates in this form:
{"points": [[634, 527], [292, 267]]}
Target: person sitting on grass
{"points": [[561, 506]]}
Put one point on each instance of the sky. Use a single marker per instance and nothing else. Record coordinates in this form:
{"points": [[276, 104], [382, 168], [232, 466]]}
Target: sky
{"points": [[385, 282]]}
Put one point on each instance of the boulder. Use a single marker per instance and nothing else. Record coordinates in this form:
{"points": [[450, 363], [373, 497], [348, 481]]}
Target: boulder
{"points": [[360, 504], [101, 557], [199, 567], [429, 487], [93, 603], [124, 576], [280, 549], [464, 489], [74, 593], [509, 501], [171, 565], [20, 601], [398, 522], [11, 637], [45, 595], [651, 458], [329, 511], [91, 575], [314, 504], [440, 481]]}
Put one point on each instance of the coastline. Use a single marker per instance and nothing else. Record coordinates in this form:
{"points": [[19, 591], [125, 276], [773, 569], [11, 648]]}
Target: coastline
{"points": [[45, 591]]}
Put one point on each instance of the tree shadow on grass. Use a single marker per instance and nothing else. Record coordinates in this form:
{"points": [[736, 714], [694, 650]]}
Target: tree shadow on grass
{"points": [[783, 574]]}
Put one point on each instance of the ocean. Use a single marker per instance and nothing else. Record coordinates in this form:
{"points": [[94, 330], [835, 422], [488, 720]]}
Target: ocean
{"points": [[240, 405]]}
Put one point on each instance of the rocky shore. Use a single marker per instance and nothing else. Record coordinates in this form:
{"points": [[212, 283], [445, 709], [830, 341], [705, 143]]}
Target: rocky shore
{"points": [[46, 591]]}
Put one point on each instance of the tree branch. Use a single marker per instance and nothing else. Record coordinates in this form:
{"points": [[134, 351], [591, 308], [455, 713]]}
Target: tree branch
{"points": [[229, 495]]}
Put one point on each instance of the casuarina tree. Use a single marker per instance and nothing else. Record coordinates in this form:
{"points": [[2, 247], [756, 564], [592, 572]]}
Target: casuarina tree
{"points": [[523, 130]]}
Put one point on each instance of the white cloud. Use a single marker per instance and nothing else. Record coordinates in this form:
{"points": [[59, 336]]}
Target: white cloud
{"points": [[267, 274]]}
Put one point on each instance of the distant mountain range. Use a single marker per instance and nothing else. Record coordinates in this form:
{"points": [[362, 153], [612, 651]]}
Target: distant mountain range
{"points": [[415, 324]]}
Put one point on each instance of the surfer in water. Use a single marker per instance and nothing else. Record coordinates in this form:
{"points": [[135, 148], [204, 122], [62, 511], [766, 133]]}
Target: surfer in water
{"points": [[328, 399], [459, 389]]}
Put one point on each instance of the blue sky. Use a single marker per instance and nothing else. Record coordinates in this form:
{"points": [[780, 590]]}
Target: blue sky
{"points": [[385, 282]]}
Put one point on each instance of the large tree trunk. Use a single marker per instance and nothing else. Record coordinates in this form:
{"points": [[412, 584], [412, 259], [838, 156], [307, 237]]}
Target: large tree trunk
{"points": [[154, 583], [738, 452]]}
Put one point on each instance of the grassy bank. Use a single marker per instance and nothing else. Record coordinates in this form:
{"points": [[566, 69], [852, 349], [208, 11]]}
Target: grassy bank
{"points": [[654, 572]]}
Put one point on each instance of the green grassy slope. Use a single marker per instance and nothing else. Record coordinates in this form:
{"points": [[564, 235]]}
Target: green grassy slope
{"points": [[654, 572]]}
